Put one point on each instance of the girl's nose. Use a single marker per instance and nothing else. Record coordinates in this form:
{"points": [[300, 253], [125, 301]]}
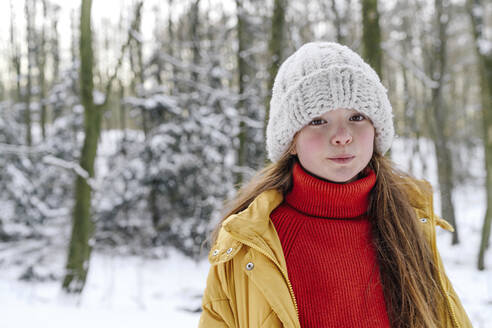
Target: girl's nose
{"points": [[342, 137]]}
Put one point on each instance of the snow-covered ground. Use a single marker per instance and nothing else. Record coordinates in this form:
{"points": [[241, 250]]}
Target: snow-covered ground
{"points": [[138, 292], [120, 292]]}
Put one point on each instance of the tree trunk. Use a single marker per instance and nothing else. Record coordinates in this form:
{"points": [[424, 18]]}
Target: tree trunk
{"points": [[275, 51], [54, 53], [409, 115], [485, 68], [73, 50], [160, 44], [214, 81], [122, 107], [438, 109], [54, 42], [136, 62], [242, 76], [16, 59], [80, 246], [170, 49], [341, 20], [371, 39], [195, 38], [41, 62], [371, 35], [30, 14]]}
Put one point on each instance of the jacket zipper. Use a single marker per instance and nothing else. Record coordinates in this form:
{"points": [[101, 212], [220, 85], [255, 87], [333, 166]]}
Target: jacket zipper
{"points": [[251, 245]]}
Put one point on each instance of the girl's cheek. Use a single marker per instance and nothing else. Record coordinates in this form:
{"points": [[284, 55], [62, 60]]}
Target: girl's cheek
{"points": [[367, 135], [313, 141]]}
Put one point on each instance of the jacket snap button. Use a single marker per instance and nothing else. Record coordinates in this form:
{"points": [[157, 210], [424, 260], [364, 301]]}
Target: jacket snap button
{"points": [[249, 266], [216, 252], [423, 220], [229, 251]]}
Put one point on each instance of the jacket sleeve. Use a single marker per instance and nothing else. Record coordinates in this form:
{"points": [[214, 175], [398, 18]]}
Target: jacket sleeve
{"points": [[456, 305], [216, 308]]}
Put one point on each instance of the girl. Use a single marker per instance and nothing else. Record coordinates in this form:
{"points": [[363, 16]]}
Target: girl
{"points": [[329, 234]]}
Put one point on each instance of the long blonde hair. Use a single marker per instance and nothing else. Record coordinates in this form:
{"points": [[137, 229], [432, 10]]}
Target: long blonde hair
{"points": [[407, 266]]}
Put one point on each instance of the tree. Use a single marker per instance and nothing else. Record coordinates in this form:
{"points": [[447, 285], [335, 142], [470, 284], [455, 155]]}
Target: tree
{"points": [[195, 37], [136, 60], [475, 10], [54, 40], [15, 56], [82, 229], [438, 112], [339, 19], [30, 12], [275, 50], [243, 77], [171, 44], [41, 63], [371, 35]]}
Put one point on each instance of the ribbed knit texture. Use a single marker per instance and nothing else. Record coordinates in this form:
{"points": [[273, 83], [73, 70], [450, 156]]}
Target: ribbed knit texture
{"points": [[331, 262]]}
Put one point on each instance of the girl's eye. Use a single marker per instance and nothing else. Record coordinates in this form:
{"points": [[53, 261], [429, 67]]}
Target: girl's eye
{"points": [[317, 121], [357, 117]]}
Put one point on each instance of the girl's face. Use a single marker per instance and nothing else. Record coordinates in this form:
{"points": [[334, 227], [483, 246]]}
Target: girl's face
{"points": [[335, 146]]}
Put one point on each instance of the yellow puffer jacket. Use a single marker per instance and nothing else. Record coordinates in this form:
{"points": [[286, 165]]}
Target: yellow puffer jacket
{"points": [[248, 286]]}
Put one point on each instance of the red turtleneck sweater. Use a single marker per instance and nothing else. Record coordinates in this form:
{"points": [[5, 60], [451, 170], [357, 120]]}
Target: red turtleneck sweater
{"points": [[331, 262]]}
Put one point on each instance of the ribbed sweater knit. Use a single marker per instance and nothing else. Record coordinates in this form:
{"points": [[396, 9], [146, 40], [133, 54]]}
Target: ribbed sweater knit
{"points": [[331, 261]]}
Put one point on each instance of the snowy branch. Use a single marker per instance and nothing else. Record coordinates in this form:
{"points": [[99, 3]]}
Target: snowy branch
{"points": [[251, 123], [19, 149], [71, 166], [183, 65], [49, 159], [46, 210], [217, 93], [18, 193], [407, 63]]}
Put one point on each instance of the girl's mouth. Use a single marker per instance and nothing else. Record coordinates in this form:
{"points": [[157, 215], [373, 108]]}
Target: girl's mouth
{"points": [[342, 160]]}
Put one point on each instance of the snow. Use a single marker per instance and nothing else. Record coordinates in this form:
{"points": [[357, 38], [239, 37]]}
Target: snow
{"points": [[165, 291], [485, 47], [98, 97], [120, 292]]}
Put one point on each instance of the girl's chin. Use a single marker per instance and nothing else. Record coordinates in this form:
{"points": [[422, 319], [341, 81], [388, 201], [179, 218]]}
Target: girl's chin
{"points": [[341, 177]]}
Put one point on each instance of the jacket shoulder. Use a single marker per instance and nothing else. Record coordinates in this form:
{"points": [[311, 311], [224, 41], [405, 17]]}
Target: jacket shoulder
{"points": [[420, 194], [224, 248], [246, 225]]}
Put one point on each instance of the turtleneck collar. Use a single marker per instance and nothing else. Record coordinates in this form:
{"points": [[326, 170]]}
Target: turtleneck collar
{"points": [[316, 197]]}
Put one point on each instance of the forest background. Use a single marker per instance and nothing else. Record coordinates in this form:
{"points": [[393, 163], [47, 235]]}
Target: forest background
{"points": [[124, 125]]}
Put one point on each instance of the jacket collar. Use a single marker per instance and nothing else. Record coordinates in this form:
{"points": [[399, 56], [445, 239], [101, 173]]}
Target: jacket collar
{"points": [[254, 225], [252, 221]]}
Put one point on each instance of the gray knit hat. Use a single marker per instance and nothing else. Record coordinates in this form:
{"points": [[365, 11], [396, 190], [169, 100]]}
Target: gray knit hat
{"points": [[317, 78]]}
